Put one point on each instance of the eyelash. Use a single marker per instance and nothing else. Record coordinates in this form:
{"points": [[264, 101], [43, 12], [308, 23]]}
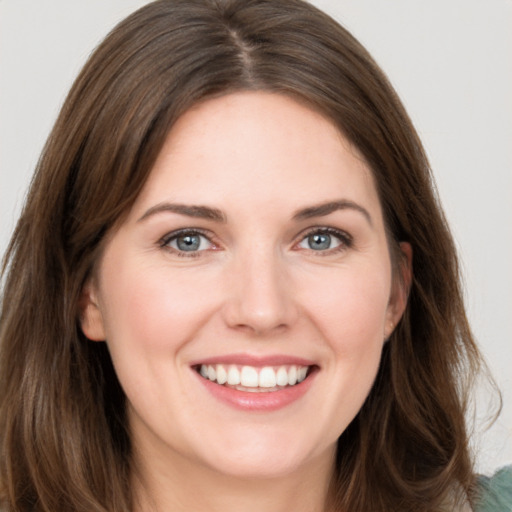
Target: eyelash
{"points": [[170, 237], [346, 240]]}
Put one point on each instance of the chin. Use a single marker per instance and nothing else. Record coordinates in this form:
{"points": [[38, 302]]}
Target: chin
{"points": [[259, 457]]}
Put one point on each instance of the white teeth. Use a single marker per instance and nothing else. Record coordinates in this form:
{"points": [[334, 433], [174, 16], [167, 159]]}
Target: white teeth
{"points": [[267, 377], [292, 375], [249, 377], [222, 374], [233, 376], [282, 376], [252, 377], [301, 374]]}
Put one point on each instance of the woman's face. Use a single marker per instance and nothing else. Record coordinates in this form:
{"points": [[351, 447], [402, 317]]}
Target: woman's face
{"points": [[246, 298]]}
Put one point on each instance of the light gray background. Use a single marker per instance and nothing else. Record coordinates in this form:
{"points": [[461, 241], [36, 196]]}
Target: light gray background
{"points": [[451, 62]]}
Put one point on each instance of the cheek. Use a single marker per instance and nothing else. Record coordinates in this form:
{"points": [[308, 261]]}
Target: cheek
{"points": [[149, 316], [151, 310], [350, 315], [350, 307]]}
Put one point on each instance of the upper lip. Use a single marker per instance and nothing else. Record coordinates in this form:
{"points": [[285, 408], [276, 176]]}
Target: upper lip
{"points": [[254, 360]]}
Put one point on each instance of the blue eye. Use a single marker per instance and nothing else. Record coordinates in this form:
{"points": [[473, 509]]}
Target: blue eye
{"points": [[319, 241], [323, 240], [187, 241]]}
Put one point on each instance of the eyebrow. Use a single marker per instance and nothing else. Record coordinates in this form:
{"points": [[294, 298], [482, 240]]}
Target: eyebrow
{"points": [[206, 212], [196, 211], [329, 207]]}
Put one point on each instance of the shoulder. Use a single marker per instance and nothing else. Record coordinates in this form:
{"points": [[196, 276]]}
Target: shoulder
{"points": [[495, 493]]}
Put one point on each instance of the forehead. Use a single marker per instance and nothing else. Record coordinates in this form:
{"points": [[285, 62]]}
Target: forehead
{"points": [[257, 146]]}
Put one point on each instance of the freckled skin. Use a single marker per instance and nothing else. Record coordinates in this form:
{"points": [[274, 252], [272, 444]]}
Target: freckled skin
{"points": [[255, 286]]}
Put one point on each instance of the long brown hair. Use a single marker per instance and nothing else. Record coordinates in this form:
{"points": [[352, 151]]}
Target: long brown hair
{"points": [[63, 437]]}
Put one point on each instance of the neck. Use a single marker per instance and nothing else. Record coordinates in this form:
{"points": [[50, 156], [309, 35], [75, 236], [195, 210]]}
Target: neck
{"points": [[185, 485]]}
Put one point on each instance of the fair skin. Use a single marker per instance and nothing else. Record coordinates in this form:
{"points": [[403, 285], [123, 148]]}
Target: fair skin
{"points": [[257, 241]]}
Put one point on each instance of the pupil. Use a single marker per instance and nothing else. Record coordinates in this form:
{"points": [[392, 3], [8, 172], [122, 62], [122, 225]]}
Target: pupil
{"points": [[188, 243], [319, 241]]}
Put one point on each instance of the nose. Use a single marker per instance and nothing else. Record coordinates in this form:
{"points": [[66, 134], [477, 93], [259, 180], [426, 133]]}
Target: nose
{"points": [[260, 296]]}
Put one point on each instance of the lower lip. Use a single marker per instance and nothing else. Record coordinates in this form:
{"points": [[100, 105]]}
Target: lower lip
{"points": [[261, 400]]}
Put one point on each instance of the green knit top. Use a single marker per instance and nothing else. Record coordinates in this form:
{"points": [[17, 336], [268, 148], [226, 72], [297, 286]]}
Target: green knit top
{"points": [[496, 492]]}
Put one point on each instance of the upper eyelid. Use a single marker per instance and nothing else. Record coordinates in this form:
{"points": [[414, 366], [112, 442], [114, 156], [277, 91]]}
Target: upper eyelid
{"points": [[326, 229], [186, 231]]}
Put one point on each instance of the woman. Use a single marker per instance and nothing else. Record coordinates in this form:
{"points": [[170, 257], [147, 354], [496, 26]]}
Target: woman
{"points": [[232, 285]]}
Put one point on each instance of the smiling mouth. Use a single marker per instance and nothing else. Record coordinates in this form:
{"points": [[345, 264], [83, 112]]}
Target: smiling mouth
{"points": [[255, 379]]}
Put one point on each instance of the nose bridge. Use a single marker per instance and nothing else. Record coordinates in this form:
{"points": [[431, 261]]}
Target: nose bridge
{"points": [[259, 299]]}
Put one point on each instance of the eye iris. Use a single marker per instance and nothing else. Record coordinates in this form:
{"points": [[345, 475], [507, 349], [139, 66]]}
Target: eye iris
{"points": [[319, 241], [188, 242]]}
